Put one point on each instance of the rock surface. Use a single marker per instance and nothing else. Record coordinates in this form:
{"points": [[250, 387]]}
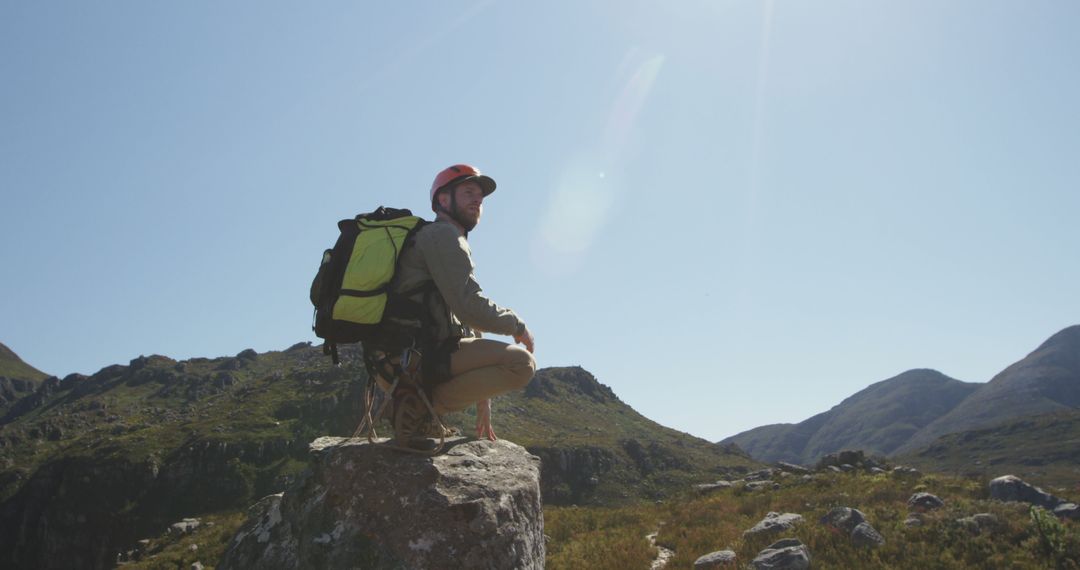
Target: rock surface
{"points": [[477, 505], [844, 519], [866, 536], [925, 502], [718, 559], [787, 554], [774, 523], [1012, 488]]}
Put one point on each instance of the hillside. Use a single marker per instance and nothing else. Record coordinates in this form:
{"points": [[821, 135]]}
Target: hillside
{"points": [[1044, 449], [17, 378], [11, 366], [117, 456], [1047, 380], [878, 419]]}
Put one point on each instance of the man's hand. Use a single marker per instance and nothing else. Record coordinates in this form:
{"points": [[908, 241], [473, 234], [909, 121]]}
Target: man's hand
{"points": [[483, 420], [525, 338]]}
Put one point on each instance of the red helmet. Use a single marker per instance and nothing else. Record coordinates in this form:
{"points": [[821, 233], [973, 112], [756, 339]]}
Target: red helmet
{"points": [[457, 174]]}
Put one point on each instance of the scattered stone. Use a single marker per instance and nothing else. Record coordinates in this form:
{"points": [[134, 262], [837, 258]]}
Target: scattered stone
{"points": [[1012, 488], [1069, 511], [978, 523], [774, 523], [851, 457], [762, 475], [185, 526], [913, 520], [196, 566], [718, 559], [902, 471], [710, 487], [792, 468], [843, 518], [786, 554], [193, 548], [925, 502], [847, 467], [808, 477], [877, 470], [834, 469], [866, 536], [759, 485]]}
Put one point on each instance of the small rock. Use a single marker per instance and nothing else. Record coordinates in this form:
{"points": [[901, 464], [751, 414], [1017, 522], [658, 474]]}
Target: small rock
{"points": [[978, 523], [843, 518], [717, 559], [792, 468], [834, 469], [913, 520], [774, 523], [196, 566], [877, 470], [866, 536], [902, 471], [847, 467], [761, 475], [759, 485], [1068, 511], [185, 526], [787, 554], [808, 477], [193, 548], [925, 502], [710, 487]]}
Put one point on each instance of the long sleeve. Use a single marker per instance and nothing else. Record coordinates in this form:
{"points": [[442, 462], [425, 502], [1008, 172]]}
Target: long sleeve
{"points": [[449, 262]]}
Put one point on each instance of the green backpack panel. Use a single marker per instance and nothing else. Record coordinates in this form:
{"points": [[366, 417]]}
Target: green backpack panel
{"points": [[351, 291]]}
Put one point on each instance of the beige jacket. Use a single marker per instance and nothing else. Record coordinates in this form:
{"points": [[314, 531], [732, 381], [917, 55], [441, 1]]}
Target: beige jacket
{"points": [[441, 255]]}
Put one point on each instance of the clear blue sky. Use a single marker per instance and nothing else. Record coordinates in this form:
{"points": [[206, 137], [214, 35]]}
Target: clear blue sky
{"points": [[732, 212]]}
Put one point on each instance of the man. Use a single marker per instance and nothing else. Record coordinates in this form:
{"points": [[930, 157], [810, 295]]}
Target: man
{"points": [[463, 368]]}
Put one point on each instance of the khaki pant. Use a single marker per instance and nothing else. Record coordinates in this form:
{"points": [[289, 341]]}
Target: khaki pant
{"points": [[482, 369]]}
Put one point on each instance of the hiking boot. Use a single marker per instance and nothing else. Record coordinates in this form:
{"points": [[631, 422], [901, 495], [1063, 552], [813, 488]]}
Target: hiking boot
{"points": [[410, 415], [435, 428]]}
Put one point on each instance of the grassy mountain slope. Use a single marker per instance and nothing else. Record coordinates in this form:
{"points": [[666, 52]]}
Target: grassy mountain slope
{"points": [[877, 419], [596, 449], [115, 457], [1043, 449], [12, 366], [1045, 381], [17, 378]]}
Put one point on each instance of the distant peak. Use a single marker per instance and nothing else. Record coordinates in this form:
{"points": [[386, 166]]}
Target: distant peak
{"points": [[1069, 337]]}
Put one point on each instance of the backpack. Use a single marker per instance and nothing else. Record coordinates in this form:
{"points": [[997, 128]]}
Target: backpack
{"points": [[351, 290]]}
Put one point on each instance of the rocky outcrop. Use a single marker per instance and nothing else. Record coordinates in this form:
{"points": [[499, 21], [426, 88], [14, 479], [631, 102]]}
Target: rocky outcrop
{"points": [[477, 505]]}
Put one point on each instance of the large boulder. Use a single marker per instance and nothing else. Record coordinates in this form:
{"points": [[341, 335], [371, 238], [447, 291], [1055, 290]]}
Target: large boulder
{"points": [[787, 554], [1012, 488], [477, 505], [866, 536]]}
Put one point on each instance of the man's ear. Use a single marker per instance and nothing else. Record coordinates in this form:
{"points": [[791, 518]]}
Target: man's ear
{"points": [[444, 199]]}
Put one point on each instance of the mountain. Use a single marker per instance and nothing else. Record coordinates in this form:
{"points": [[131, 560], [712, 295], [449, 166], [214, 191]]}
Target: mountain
{"points": [[91, 464], [1044, 449], [878, 419], [1045, 381], [17, 378]]}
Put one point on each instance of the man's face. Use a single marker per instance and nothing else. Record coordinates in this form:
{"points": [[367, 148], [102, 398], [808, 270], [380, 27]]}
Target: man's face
{"points": [[469, 197]]}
